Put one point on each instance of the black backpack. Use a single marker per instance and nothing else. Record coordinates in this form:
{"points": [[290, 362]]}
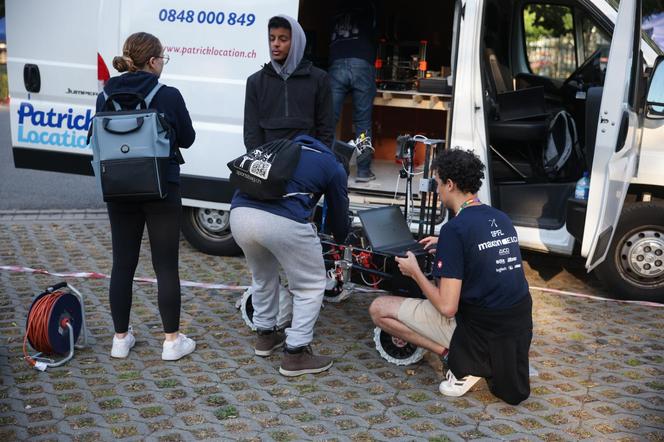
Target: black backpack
{"points": [[264, 172]]}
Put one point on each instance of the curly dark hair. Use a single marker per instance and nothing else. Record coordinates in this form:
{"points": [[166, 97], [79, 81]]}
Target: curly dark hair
{"points": [[462, 167]]}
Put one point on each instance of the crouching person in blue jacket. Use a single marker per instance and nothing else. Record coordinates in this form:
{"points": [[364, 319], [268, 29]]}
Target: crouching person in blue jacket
{"points": [[277, 233]]}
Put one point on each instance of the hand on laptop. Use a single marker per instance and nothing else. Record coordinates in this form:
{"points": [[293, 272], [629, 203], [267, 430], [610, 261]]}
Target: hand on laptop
{"points": [[429, 243], [408, 265]]}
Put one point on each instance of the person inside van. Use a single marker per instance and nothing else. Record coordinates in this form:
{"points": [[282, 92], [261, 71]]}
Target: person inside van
{"points": [[274, 233], [288, 96], [352, 57], [141, 64], [481, 309]]}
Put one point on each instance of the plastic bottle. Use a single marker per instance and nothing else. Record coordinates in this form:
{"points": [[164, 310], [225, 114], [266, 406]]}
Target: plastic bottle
{"points": [[582, 187]]}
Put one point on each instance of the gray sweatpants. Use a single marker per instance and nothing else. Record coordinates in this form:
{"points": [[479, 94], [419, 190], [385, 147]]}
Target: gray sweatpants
{"points": [[267, 241]]}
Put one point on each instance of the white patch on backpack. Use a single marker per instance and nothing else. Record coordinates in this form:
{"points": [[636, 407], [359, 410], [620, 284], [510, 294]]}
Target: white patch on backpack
{"points": [[261, 169]]}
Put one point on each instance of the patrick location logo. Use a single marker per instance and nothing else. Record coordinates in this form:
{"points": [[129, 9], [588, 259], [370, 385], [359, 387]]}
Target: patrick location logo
{"points": [[52, 128]]}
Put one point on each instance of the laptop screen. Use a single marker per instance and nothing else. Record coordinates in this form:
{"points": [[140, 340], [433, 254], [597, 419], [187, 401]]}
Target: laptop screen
{"points": [[385, 227]]}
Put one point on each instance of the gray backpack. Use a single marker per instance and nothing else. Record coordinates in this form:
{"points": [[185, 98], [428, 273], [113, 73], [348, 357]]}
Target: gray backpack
{"points": [[562, 156], [131, 149]]}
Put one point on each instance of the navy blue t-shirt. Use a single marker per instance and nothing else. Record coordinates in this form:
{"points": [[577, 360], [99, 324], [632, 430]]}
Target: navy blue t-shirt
{"points": [[480, 247]]}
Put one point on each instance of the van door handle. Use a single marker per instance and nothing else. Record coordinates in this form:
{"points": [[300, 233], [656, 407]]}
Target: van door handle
{"points": [[31, 78], [622, 132]]}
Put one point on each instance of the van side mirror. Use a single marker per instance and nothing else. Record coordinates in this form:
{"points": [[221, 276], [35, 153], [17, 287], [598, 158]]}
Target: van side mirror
{"points": [[655, 98]]}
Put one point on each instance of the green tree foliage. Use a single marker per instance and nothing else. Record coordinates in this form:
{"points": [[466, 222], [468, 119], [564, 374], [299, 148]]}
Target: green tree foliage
{"points": [[547, 20]]}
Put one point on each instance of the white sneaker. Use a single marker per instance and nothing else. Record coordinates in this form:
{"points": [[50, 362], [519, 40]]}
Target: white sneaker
{"points": [[457, 387], [178, 348], [122, 346]]}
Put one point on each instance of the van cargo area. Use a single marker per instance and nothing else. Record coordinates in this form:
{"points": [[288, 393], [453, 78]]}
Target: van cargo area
{"points": [[408, 100]]}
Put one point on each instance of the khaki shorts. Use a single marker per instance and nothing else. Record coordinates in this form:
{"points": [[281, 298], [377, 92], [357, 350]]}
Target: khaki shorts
{"points": [[422, 317]]}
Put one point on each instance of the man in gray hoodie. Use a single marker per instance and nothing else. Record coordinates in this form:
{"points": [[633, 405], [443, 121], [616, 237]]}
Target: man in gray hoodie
{"points": [[288, 96]]}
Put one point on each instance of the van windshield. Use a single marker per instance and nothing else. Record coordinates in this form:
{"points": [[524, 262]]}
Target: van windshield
{"points": [[614, 4]]}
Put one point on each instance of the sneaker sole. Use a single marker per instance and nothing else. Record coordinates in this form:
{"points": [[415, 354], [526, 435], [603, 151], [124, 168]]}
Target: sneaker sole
{"points": [[364, 180], [457, 393], [265, 353], [172, 358], [292, 373]]}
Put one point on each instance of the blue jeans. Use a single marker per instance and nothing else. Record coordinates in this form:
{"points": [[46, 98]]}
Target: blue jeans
{"points": [[358, 77]]}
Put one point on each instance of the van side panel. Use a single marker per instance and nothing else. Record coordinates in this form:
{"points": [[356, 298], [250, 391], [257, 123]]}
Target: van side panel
{"points": [[49, 124], [213, 47]]}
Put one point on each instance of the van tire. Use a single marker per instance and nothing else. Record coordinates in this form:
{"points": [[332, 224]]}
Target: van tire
{"points": [[622, 272], [208, 230]]}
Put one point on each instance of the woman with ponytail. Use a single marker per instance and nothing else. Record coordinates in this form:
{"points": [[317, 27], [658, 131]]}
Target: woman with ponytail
{"points": [[141, 64]]}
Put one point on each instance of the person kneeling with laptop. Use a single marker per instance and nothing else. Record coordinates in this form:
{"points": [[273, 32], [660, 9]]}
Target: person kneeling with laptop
{"points": [[481, 309]]}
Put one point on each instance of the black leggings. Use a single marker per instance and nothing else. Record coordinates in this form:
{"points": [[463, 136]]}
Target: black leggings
{"points": [[163, 218]]}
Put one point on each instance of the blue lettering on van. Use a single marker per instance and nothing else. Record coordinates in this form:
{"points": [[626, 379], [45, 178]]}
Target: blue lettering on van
{"points": [[54, 119], [69, 123]]}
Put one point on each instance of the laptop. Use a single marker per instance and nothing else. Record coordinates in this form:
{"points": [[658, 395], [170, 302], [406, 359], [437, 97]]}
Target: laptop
{"points": [[388, 233], [522, 104]]}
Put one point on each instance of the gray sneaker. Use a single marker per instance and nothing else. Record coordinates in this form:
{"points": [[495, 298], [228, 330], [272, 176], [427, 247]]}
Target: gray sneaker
{"points": [[365, 177], [301, 360], [267, 341]]}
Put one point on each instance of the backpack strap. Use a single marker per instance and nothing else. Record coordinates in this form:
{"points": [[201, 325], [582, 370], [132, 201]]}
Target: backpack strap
{"points": [[151, 94], [309, 194], [575, 140], [561, 153], [116, 106]]}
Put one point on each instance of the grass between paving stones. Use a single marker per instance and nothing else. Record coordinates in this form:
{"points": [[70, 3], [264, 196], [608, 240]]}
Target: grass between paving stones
{"points": [[131, 375], [73, 410], [216, 401], [149, 412], [228, 412], [121, 432], [167, 383], [110, 404], [283, 436]]}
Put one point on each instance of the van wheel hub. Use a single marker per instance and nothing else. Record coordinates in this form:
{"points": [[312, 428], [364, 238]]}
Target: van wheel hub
{"points": [[213, 220], [643, 254]]}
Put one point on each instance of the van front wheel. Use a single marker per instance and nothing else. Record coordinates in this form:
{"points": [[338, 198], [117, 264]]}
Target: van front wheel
{"points": [[634, 266], [209, 231]]}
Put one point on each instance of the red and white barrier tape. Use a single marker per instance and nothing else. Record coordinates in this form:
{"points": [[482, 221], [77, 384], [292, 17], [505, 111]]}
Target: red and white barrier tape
{"points": [[95, 275], [597, 298]]}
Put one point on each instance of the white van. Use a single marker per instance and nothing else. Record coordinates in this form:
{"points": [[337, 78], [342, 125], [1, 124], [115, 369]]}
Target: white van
{"points": [[483, 56]]}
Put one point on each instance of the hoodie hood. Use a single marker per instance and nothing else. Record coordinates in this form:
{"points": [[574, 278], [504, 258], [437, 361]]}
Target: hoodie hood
{"points": [[298, 43], [140, 82]]}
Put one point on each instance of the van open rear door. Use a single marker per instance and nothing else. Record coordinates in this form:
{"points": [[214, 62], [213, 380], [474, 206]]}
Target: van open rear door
{"points": [[618, 136]]}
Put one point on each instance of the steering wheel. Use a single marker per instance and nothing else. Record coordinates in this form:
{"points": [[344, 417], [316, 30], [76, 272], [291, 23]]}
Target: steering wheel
{"points": [[589, 73]]}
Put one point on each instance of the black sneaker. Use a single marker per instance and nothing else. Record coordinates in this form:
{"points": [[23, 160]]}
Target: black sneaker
{"points": [[301, 360], [365, 177], [267, 341]]}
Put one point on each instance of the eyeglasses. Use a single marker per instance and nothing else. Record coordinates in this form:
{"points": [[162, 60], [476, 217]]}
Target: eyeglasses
{"points": [[165, 58]]}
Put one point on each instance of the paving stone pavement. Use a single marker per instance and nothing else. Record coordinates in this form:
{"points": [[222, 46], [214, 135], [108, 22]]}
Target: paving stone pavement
{"points": [[600, 363]]}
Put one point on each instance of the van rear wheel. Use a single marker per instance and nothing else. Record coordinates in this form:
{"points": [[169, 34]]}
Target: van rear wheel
{"points": [[634, 266], [209, 231]]}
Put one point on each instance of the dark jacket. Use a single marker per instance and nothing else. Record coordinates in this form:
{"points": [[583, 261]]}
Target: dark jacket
{"points": [[168, 101], [318, 173], [494, 344], [276, 108]]}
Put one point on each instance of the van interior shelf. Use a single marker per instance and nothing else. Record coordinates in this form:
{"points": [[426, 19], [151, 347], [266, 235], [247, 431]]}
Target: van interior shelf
{"points": [[412, 99]]}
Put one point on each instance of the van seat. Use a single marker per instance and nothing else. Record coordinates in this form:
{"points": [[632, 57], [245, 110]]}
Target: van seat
{"points": [[518, 130], [593, 102]]}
